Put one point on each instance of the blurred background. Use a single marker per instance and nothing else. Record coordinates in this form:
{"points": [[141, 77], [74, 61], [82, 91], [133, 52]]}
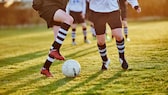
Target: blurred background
{"points": [[20, 12]]}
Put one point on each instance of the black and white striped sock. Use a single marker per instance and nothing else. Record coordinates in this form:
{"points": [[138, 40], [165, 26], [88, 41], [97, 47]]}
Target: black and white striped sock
{"points": [[61, 35], [85, 33], [126, 31], [73, 34], [103, 52], [121, 48], [57, 44]]}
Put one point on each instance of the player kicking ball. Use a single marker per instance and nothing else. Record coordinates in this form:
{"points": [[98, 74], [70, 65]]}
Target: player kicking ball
{"points": [[53, 12]]}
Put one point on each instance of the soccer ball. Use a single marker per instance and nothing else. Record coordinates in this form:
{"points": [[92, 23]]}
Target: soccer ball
{"points": [[71, 68]]}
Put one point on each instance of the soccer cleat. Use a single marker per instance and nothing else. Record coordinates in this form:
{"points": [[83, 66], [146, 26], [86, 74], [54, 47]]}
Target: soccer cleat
{"points": [[55, 53], [46, 73], [128, 39], [87, 41], [124, 63], [73, 43], [105, 65]]}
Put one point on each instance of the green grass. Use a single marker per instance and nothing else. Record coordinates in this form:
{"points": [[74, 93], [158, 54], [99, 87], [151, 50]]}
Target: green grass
{"points": [[24, 50]]}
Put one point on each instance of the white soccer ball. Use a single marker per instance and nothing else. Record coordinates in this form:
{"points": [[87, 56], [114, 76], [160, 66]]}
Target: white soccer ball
{"points": [[71, 68]]}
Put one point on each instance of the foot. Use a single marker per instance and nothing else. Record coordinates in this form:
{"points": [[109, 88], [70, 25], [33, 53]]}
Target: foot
{"points": [[105, 65], [128, 39], [73, 43], [46, 73], [87, 41], [124, 64], [55, 53]]}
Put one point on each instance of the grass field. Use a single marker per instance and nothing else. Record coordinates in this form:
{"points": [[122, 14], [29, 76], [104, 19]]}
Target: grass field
{"points": [[24, 50]]}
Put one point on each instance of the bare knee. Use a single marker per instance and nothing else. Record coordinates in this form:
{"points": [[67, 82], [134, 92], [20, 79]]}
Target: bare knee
{"points": [[61, 16], [119, 38], [100, 39], [100, 43], [69, 20], [117, 33]]}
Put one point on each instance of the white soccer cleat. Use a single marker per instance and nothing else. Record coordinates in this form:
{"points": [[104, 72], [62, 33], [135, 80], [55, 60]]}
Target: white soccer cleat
{"points": [[105, 65], [87, 41], [73, 43], [128, 39]]}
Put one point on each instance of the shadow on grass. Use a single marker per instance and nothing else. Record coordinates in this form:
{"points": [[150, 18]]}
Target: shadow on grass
{"points": [[102, 84], [21, 58], [22, 73], [16, 76], [12, 90], [83, 52], [82, 83], [27, 71], [19, 74], [45, 90]]}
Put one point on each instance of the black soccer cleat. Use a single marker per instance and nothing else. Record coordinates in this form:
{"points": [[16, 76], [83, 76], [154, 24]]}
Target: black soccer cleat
{"points": [[124, 64], [105, 65]]}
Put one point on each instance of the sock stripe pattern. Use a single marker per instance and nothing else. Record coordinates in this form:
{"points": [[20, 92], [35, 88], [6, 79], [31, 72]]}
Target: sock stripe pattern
{"points": [[126, 30], [73, 35], [50, 59], [62, 33], [51, 48], [84, 32], [57, 43], [120, 46], [103, 52]]}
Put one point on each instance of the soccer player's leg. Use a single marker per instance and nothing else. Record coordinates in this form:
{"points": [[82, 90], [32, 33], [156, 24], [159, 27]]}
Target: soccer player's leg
{"points": [[84, 29], [100, 35], [103, 53], [46, 67], [60, 16], [116, 26], [120, 46], [73, 34], [125, 29], [92, 30]]}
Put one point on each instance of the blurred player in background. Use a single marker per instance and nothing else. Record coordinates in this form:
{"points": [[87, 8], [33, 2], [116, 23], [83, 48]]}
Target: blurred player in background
{"points": [[123, 9], [77, 9], [89, 18], [53, 12]]}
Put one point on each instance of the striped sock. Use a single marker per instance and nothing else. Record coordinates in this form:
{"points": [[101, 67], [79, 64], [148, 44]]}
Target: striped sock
{"points": [[126, 31], [121, 48], [84, 33], [73, 34], [61, 35], [57, 44], [103, 52]]}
